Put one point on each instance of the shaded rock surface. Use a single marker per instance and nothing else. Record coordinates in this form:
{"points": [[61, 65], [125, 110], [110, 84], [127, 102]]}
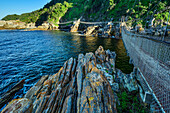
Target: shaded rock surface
{"points": [[22, 105], [80, 86], [46, 26], [90, 30], [6, 97], [127, 81], [104, 30]]}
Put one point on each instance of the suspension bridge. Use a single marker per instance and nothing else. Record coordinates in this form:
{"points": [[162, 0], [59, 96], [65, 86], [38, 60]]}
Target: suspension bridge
{"points": [[151, 56], [83, 22]]}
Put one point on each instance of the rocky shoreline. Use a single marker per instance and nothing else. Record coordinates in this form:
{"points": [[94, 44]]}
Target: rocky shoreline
{"points": [[109, 29], [89, 84], [16, 24], [106, 30]]}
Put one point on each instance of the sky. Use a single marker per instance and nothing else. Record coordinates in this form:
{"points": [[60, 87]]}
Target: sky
{"points": [[8, 7]]}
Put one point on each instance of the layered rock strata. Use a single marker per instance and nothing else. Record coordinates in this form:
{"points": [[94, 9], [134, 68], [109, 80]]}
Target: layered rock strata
{"points": [[75, 26], [79, 86], [8, 96], [89, 84]]}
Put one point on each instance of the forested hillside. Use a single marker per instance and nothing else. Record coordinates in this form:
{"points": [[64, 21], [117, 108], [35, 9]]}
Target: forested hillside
{"points": [[51, 14], [97, 10]]}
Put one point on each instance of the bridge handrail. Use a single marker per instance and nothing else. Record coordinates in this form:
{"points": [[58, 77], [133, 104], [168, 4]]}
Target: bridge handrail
{"points": [[127, 30], [152, 57], [92, 22], [83, 22], [65, 22], [97, 22]]}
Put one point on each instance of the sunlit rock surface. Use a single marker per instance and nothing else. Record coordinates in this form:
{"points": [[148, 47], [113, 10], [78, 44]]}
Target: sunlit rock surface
{"points": [[75, 26], [83, 85]]}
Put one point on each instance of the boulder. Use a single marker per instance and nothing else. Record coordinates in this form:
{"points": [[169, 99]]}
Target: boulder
{"points": [[90, 30], [157, 33], [100, 54], [130, 83]]}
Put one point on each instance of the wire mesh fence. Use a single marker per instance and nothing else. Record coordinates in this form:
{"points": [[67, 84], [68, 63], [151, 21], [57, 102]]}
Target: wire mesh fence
{"points": [[152, 57]]}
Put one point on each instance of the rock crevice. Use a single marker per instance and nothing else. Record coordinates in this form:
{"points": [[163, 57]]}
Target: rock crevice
{"points": [[80, 86]]}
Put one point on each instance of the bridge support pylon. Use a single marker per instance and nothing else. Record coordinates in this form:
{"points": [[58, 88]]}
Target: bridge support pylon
{"points": [[75, 26]]}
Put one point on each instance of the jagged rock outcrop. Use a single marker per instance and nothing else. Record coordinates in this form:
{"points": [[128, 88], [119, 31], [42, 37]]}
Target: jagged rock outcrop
{"points": [[79, 86], [15, 24], [108, 30], [88, 84], [47, 26], [90, 30], [75, 26], [22, 105], [8, 96], [127, 81]]}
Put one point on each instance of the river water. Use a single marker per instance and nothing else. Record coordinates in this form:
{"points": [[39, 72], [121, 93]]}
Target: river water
{"points": [[31, 54]]}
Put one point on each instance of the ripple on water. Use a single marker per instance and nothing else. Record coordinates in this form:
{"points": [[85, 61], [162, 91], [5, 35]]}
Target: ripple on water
{"points": [[30, 55]]}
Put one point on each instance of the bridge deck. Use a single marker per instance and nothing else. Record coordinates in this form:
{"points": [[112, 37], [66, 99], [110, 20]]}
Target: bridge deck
{"points": [[152, 58]]}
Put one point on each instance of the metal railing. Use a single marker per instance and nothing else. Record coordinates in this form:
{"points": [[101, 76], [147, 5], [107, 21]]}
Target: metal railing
{"points": [[152, 57], [83, 22]]}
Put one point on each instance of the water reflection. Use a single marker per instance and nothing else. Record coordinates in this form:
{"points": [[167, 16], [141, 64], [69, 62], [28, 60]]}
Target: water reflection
{"points": [[30, 55], [90, 44]]}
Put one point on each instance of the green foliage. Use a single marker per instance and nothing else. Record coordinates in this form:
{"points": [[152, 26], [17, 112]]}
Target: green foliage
{"points": [[124, 101], [58, 11], [129, 103], [111, 2], [163, 15], [145, 9], [11, 17], [96, 10], [52, 14]]}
